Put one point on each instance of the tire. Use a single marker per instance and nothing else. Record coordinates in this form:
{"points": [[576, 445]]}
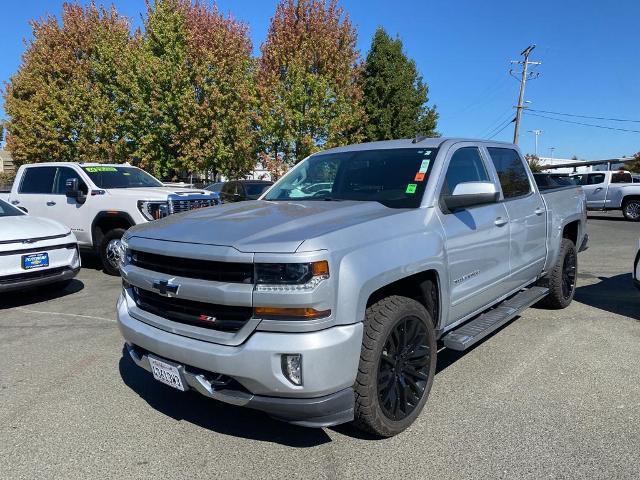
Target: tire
{"points": [[631, 209], [564, 271], [383, 323], [108, 252]]}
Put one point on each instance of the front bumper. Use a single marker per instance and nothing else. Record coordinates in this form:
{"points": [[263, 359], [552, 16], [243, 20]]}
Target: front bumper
{"points": [[330, 363], [636, 271], [43, 277]]}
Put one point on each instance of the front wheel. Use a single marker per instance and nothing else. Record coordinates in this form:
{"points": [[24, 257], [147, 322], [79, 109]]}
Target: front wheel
{"points": [[397, 366], [109, 251], [631, 210]]}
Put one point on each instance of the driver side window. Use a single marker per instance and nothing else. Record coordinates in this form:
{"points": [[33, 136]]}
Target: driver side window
{"points": [[466, 165]]}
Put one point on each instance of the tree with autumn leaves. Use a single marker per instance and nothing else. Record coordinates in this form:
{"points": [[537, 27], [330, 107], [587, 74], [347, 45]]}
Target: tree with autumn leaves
{"points": [[184, 93]]}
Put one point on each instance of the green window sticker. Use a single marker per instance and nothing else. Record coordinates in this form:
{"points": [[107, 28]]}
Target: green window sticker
{"points": [[100, 169], [411, 188]]}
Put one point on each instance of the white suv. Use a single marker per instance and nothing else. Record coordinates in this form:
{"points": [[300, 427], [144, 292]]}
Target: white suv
{"points": [[99, 202]]}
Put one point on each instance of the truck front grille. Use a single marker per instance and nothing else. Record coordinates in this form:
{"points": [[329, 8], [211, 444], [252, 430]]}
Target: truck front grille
{"points": [[179, 206], [223, 318], [230, 272]]}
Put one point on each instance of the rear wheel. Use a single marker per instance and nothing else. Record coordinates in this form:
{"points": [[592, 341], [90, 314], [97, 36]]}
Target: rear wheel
{"points": [[631, 210], [562, 279], [397, 366], [110, 251]]}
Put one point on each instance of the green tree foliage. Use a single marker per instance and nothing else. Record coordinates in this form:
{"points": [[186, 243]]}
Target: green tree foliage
{"points": [[309, 97], [633, 165], [177, 96], [60, 103], [395, 96], [534, 162]]}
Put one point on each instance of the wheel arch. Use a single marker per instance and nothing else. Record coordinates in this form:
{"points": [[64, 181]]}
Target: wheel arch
{"points": [[108, 220]]}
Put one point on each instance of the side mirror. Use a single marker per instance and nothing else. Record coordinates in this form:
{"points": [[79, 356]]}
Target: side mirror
{"points": [[72, 190], [469, 194]]}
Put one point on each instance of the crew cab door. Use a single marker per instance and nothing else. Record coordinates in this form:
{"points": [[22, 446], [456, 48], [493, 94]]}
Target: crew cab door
{"points": [[476, 238], [527, 216], [34, 190], [594, 186]]}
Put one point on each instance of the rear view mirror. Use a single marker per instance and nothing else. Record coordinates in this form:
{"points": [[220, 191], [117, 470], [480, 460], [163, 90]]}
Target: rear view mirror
{"points": [[72, 190], [469, 194]]}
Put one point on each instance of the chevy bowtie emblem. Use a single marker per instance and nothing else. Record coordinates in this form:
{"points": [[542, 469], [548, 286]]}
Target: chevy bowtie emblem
{"points": [[165, 288]]}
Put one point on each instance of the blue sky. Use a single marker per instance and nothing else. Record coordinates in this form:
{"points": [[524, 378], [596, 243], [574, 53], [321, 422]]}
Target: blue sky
{"points": [[589, 49]]}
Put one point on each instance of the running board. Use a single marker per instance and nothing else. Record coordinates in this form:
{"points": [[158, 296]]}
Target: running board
{"points": [[472, 332]]}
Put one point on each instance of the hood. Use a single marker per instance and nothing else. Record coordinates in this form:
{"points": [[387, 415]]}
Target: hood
{"points": [[261, 226], [25, 227], [156, 193]]}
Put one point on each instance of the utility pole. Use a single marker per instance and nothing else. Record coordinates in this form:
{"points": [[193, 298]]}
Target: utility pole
{"points": [[551, 149], [524, 76], [537, 134]]}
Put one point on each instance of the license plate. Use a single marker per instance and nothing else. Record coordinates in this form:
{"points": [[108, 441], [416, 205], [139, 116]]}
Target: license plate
{"points": [[35, 260], [166, 373]]}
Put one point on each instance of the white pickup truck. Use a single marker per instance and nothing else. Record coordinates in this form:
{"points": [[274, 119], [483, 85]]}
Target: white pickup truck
{"points": [[99, 202], [611, 190]]}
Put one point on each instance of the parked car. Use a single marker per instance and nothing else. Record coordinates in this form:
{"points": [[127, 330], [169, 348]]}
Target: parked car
{"points": [[636, 268], [241, 190], [35, 251], [327, 308], [611, 190], [215, 187], [100, 201]]}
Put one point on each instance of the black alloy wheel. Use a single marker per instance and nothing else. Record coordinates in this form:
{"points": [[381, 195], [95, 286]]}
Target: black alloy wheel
{"points": [[569, 274], [403, 371]]}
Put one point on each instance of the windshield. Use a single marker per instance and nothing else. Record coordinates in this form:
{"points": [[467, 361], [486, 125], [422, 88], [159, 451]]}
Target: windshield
{"points": [[120, 177], [256, 189], [394, 177], [7, 210]]}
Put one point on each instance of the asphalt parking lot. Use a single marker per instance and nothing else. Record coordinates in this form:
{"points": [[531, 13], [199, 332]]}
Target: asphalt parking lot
{"points": [[554, 394]]}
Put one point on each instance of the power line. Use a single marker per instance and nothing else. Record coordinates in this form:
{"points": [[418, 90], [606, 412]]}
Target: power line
{"points": [[505, 126], [582, 123], [585, 116], [498, 124]]}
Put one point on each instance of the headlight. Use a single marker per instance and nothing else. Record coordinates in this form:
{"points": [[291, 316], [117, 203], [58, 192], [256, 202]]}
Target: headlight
{"points": [[271, 277], [153, 210]]}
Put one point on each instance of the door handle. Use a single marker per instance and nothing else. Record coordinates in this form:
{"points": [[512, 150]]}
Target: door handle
{"points": [[15, 202], [51, 203], [598, 189], [500, 222], [539, 211]]}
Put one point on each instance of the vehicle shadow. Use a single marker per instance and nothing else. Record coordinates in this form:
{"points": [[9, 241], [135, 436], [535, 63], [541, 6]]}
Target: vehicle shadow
{"points": [[213, 415], [90, 260], [38, 295], [614, 294]]}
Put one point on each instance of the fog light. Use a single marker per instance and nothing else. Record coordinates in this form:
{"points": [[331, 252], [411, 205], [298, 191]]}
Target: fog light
{"points": [[292, 367]]}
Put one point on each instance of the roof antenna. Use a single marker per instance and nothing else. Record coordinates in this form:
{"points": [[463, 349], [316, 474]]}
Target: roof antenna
{"points": [[418, 138]]}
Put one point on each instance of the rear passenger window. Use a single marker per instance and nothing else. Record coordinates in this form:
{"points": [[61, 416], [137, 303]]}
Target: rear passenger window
{"points": [[466, 165], [621, 177], [38, 180], [511, 172]]}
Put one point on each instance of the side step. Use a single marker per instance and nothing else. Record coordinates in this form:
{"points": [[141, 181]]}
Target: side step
{"points": [[478, 328]]}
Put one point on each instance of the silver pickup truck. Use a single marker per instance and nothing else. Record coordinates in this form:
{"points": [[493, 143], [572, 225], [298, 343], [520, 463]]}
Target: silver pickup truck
{"points": [[611, 190], [326, 300]]}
